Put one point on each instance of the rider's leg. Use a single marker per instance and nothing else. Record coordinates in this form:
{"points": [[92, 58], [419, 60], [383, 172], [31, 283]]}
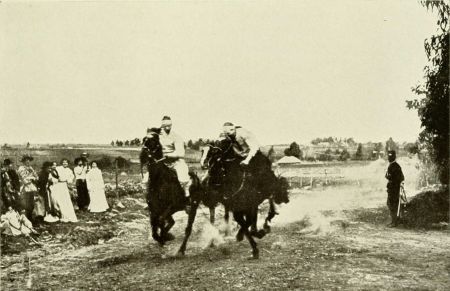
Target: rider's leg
{"points": [[183, 175]]}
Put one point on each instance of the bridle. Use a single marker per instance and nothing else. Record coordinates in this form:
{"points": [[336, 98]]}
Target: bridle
{"points": [[223, 152], [150, 155]]}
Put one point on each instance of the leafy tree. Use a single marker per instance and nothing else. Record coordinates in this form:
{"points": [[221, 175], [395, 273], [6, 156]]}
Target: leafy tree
{"points": [[377, 149], [350, 141], [391, 145], [28, 145], [359, 153], [294, 150], [271, 154], [112, 143], [190, 144], [433, 106], [344, 155], [104, 162], [412, 148], [122, 163], [127, 143]]}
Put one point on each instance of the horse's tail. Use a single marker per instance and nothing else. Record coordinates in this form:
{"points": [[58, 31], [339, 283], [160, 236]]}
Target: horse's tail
{"points": [[280, 191]]}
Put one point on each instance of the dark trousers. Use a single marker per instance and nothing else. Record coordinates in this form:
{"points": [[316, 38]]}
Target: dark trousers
{"points": [[27, 200], [392, 202], [83, 199]]}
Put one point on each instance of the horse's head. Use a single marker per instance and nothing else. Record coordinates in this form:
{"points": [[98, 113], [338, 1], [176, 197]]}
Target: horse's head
{"points": [[211, 154], [151, 147]]}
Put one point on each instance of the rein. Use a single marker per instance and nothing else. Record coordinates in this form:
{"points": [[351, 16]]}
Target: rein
{"points": [[242, 184]]}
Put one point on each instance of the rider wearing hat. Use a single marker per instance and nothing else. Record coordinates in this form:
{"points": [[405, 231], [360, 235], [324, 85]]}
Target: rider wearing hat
{"points": [[174, 151]]}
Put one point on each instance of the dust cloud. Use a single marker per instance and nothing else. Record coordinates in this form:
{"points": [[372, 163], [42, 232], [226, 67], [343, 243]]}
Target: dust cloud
{"points": [[365, 187]]}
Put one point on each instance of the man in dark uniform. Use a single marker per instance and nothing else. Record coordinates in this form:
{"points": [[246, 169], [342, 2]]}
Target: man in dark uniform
{"points": [[395, 178]]}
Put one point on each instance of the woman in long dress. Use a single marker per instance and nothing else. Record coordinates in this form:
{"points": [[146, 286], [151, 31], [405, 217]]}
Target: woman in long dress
{"points": [[60, 192], [96, 188]]}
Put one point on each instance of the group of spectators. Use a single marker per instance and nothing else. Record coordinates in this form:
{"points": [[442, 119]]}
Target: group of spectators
{"points": [[29, 198]]}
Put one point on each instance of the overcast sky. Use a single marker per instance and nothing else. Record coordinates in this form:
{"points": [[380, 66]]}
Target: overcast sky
{"points": [[91, 72]]}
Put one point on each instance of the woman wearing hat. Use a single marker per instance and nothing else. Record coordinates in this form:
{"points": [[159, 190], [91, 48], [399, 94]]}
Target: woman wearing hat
{"points": [[28, 177]]}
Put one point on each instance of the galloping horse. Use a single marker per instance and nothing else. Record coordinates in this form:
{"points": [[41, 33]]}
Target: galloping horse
{"points": [[165, 196], [243, 189]]}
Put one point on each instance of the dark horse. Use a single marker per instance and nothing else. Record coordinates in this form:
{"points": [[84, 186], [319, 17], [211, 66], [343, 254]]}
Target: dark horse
{"points": [[243, 189], [165, 196]]}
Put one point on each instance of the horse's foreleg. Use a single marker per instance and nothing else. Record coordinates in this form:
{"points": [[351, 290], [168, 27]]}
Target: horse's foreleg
{"points": [[240, 219], [254, 220], [212, 215], [188, 231], [227, 221]]}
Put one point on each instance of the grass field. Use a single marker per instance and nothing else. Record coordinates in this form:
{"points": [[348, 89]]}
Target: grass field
{"points": [[326, 238]]}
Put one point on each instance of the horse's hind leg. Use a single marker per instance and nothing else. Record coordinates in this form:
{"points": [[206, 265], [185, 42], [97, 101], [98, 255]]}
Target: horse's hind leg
{"points": [[167, 235], [270, 215], [154, 222], [188, 231], [239, 217], [252, 219], [227, 221]]}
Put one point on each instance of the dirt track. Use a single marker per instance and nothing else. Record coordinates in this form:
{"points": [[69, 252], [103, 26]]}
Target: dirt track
{"points": [[334, 249]]}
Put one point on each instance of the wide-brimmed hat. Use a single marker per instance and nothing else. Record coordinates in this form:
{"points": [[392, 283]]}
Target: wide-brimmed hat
{"points": [[26, 158]]}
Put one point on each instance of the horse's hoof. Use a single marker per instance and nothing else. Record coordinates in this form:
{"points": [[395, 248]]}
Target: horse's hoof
{"points": [[239, 236], [169, 237], [258, 234], [255, 255], [180, 253], [267, 228]]}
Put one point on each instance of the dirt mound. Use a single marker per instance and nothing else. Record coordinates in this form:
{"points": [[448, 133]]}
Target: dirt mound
{"points": [[427, 208]]}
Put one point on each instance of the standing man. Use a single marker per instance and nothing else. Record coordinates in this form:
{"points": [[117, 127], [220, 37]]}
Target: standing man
{"points": [[28, 178], [80, 171], [173, 150], [395, 178]]}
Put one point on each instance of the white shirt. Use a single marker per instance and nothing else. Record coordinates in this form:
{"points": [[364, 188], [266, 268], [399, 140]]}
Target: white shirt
{"points": [[65, 174], [173, 144], [80, 172]]}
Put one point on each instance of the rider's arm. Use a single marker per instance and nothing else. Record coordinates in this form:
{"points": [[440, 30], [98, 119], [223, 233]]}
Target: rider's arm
{"points": [[179, 151], [253, 144]]}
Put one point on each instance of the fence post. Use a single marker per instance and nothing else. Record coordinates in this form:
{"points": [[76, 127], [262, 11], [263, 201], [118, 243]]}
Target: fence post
{"points": [[117, 179]]}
